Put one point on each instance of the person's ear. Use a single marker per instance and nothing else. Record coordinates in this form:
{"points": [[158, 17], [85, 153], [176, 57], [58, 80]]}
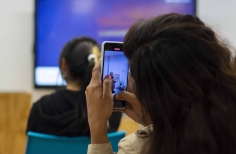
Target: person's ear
{"points": [[63, 67], [95, 50]]}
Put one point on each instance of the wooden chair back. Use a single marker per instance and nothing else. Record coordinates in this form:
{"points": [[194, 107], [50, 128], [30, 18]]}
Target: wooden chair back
{"points": [[14, 112]]}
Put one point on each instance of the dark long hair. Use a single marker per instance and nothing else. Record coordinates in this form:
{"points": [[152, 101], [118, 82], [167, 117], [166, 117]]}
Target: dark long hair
{"points": [[184, 80], [76, 54]]}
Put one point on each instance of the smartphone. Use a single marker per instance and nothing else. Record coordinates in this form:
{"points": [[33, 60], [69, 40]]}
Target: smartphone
{"points": [[115, 64]]}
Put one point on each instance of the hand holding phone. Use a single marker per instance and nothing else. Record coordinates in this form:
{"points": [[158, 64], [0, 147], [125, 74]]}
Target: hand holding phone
{"points": [[134, 109], [115, 64], [99, 98]]}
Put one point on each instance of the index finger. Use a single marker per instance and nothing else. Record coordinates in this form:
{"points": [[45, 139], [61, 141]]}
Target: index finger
{"points": [[96, 73]]}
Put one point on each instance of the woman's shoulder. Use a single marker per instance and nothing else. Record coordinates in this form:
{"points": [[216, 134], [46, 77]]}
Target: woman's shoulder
{"points": [[46, 101], [133, 143]]}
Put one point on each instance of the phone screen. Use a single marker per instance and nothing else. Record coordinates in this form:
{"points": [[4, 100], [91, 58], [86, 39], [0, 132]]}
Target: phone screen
{"points": [[115, 64]]}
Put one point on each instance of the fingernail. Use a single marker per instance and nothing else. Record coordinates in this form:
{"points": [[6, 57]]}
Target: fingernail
{"points": [[107, 77]]}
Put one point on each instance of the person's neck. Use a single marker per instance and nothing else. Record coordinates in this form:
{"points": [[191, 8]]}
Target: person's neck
{"points": [[73, 87]]}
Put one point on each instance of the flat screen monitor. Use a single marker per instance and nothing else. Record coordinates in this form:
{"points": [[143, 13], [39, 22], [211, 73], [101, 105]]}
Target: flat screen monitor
{"points": [[59, 21]]}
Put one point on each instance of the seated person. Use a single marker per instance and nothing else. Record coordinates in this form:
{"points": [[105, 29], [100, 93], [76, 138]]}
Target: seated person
{"points": [[65, 112]]}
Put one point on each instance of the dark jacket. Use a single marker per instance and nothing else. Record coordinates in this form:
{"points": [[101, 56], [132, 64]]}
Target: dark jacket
{"points": [[60, 114]]}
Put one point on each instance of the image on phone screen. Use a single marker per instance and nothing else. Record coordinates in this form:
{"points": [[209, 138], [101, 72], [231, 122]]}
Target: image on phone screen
{"points": [[115, 64]]}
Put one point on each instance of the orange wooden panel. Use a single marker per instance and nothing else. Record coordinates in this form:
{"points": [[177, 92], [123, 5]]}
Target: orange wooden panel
{"points": [[14, 112]]}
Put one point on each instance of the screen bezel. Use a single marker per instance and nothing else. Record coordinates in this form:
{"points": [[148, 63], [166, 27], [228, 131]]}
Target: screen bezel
{"points": [[110, 45]]}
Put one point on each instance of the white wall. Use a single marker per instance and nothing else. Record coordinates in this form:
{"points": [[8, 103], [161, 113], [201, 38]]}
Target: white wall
{"points": [[17, 32], [221, 15], [16, 47]]}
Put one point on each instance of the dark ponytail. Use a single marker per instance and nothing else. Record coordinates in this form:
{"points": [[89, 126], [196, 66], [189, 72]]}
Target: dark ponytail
{"points": [[76, 53]]}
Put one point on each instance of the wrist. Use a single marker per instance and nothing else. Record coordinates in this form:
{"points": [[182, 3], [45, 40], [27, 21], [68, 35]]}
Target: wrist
{"points": [[98, 131]]}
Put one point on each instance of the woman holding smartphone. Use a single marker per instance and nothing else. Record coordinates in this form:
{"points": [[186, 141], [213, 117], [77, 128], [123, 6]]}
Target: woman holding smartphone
{"points": [[184, 85]]}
